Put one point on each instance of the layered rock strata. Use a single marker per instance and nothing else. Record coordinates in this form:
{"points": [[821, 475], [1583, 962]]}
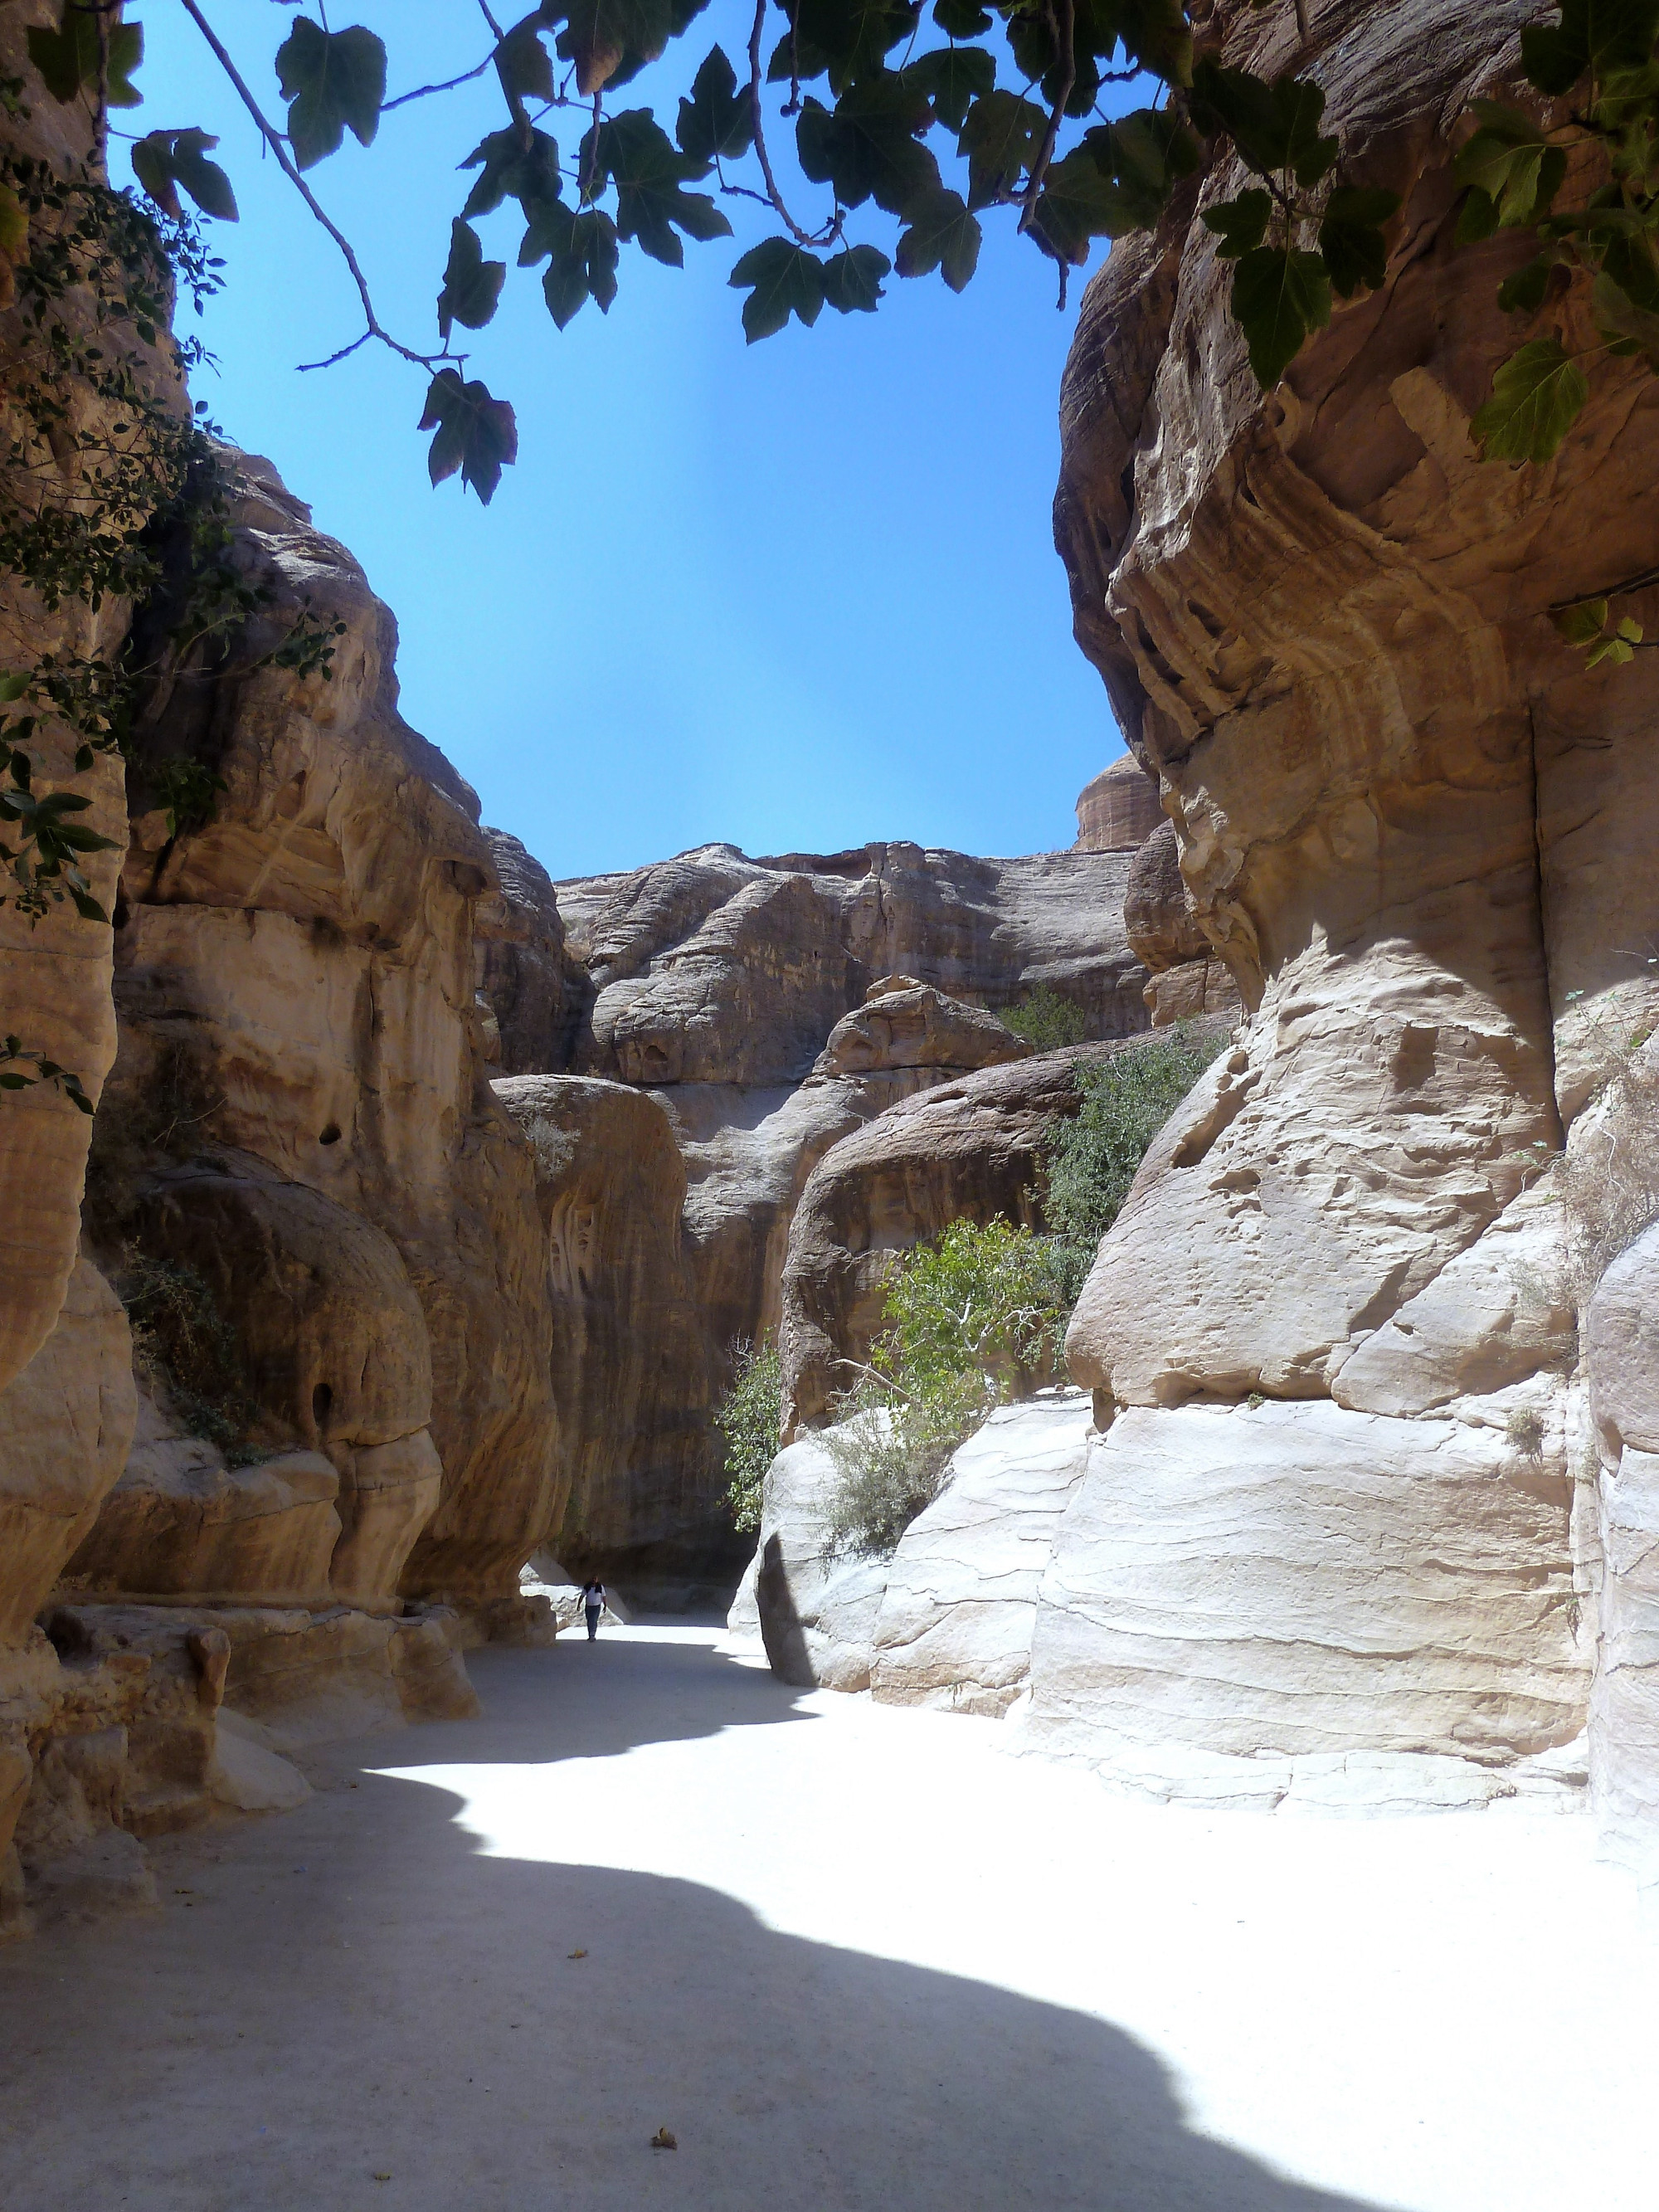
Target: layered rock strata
{"points": [[1118, 810], [1411, 822]]}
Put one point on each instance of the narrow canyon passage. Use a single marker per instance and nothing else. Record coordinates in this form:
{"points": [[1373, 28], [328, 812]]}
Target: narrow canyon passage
{"points": [[850, 1956]]}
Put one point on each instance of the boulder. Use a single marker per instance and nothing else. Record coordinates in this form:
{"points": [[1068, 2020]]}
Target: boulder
{"points": [[904, 1024], [947, 1622], [1118, 810]]}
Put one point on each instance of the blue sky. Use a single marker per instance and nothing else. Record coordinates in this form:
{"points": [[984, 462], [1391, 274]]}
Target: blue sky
{"points": [[798, 595]]}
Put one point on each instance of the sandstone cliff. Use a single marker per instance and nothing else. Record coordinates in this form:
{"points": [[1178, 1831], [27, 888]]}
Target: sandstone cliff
{"points": [[1413, 826], [767, 1008], [311, 1464]]}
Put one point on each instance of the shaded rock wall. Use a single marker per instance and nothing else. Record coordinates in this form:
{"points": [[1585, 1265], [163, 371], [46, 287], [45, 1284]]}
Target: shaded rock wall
{"points": [[1411, 822]]}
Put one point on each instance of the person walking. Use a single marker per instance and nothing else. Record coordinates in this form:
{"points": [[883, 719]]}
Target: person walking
{"points": [[593, 1606]]}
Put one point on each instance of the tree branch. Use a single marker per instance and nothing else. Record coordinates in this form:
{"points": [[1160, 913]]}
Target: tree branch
{"points": [[424, 91], [273, 138], [774, 196], [1065, 32]]}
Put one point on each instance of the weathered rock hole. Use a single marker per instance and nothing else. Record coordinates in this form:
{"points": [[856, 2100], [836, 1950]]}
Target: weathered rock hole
{"points": [[322, 1405], [331, 1133]]}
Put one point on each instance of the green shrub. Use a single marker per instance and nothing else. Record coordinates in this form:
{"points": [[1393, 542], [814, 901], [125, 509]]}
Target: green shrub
{"points": [[1046, 1020], [976, 1319], [181, 1340], [748, 1419], [1092, 1159]]}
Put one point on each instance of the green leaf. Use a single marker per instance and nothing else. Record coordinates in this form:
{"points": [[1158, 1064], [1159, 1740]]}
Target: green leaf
{"points": [[1240, 223], [1582, 624], [167, 159], [1078, 202], [585, 254], [601, 34], [999, 138], [1619, 316], [1350, 237], [529, 173], [1273, 126], [332, 80], [854, 36], [1279, 296], [942, 235], [960, 19], [13, 686], [1157, 34], [649, 175], [126, 51], [785, 279], [472, 286], [476, 433], [718, 122], [866, 145], [1477, 218], [523, 63], [1509, 160], [852, 279], [952, 77], [1536, 398], [1602, 34], [1523, 293]]}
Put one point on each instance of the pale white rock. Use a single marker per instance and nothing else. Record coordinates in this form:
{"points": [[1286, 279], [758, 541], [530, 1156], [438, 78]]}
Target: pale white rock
{"points": [[1621, 1350], [1366, 1129], [1494, 1314], [1297, 1578], [816, 1607], [958, 1613], [248, 1774]]}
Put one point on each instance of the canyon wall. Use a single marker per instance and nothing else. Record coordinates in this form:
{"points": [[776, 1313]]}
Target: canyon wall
{"points": [[1343, 1294], [727, 1022], [272, 1489]]}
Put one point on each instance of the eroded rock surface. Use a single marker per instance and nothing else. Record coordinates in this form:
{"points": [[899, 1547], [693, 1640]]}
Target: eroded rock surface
{"points": [[1409, 820]]}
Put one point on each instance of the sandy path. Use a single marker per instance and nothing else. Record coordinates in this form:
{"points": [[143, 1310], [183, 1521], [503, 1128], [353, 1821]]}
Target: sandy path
{"points": [[852, 1957]]}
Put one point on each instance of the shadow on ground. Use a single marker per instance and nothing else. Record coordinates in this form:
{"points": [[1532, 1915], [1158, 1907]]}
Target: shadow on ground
{"points": [[350, 2005]]}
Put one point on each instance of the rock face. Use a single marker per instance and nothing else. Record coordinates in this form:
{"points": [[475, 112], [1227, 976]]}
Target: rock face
{"points": [[1119, 810], [666, 1212], [1621, 1355], [770, 1008], [335, 1407], [1412, 824], [523, 977], [301, 1114]]}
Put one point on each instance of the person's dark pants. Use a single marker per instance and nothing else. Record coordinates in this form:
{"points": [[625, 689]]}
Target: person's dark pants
{"points": [[593, 1613]]}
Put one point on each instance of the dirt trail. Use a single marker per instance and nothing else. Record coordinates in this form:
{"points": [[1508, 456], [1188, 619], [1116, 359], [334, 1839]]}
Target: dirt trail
{"points": [[856, 1959]]}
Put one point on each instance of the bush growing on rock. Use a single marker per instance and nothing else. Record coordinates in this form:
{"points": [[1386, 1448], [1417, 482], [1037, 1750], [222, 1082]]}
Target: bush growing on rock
{"points": [[977, 1318], [1093, 1157], [1046, 1021], [748, 1420]]}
